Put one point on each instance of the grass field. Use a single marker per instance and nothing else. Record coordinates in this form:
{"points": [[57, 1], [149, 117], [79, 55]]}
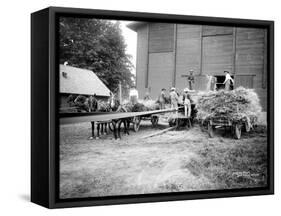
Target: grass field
{"points": [[175, 161]]}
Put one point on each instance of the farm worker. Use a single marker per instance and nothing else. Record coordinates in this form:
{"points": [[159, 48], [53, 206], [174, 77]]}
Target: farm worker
{"points": [[174, 98], [134, 95], [186, 102], [93, 104], [213, 85], [111, 99], [82, 102], [162, 98], [190, 80], [147, 96], [227, 81]]}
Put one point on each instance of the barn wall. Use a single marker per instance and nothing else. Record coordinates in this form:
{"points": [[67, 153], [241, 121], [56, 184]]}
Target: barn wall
{"points": [[188, 52], [161, 37], [250, 60], [141, 63], [160, 72], [217, 54], [208, 50]]}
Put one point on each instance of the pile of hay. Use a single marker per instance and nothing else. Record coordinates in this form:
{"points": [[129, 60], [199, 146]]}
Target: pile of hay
{"points": [[239, 104], [141, 106]]}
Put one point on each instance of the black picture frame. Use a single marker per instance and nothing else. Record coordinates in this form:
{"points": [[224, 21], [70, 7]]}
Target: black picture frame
{"points": [[45, 119]]}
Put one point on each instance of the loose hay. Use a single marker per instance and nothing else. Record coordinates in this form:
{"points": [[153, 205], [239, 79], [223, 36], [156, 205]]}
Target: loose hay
{"points": [[240, 104], [141, 105]]}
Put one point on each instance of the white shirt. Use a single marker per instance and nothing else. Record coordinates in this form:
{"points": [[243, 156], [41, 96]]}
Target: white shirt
{"points": [[134, 92], [228, 77]]}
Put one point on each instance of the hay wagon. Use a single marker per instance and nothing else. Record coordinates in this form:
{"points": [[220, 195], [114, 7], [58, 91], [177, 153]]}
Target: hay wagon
{"points": [[236, 125], [180, 120]]}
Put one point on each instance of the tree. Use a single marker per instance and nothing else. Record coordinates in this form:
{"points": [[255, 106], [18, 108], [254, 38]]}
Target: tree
{"points": [[96, 45]]}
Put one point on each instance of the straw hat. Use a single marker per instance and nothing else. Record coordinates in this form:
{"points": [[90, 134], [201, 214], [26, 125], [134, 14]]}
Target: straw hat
{"points": [[186, 90], [173, 89]]}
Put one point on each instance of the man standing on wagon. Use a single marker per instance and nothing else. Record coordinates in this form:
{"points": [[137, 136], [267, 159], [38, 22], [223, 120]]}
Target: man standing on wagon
{"points": [[162, 98], [227, 81], [174, 98]]}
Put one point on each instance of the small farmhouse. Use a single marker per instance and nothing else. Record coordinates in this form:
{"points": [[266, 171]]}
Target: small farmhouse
{"points": [[167, 52], [77, 81]]}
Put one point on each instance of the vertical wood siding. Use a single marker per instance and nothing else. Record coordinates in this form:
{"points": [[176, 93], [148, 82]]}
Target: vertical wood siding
{"points": [[250, 57], [141, 63], [217, 54], [188, 52], [161, 37], [160, 72], [242, 51]]}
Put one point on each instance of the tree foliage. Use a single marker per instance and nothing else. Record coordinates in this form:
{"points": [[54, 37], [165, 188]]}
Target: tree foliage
{"points": [[96, 45]]}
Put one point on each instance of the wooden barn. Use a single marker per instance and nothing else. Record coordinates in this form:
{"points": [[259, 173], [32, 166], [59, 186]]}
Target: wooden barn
{"points": [[76, 81], [166, 52]]}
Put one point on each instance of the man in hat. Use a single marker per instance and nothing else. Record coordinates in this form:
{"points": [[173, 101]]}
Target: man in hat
{"points": [[162, 98], [134, 95], [186, 102], [190, 79], [147, 96], [174, 98], [227, 81]]}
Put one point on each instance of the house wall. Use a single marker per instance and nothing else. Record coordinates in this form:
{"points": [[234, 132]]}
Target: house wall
{"points": [[208, 50]]}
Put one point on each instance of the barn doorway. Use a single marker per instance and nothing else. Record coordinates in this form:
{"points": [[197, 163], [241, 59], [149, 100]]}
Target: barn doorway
{"points": [[219, 84]]}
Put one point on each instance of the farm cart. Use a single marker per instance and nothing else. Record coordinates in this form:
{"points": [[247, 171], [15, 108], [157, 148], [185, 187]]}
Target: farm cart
{"points": [[136, 120], [134, 117], [180, 120], [236, 125]]}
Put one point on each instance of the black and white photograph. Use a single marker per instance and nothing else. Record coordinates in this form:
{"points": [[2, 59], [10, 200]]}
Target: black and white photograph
{"points": [[150, 107]]}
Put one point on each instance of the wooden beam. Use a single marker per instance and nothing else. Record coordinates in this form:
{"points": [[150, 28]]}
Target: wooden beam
{"points": [[147, 59], [159, 132], [201, 50], [234, 51], [175, 55], [264, 60]]}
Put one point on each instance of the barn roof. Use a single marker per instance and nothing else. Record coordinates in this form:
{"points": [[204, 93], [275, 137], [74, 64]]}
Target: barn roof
{"points": [[80, 81], [135, 25]]}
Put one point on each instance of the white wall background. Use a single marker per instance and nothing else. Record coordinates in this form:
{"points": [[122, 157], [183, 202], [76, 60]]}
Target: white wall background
{"points": [[15, 106]]}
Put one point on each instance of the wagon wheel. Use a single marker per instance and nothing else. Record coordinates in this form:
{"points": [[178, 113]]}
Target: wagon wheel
{"points": [[237, 131], [210, 129], [154, 120], [110, 126], [136, 123]]}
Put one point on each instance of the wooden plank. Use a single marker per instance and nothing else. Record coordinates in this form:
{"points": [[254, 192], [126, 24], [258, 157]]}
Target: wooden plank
{"points": [[108, 116], [264, 74], [201, 50], [159, 132], [147, 60], [175, 54], [234, 51], [216, 30]]}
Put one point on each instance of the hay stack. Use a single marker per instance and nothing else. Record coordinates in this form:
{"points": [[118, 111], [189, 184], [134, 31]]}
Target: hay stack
{"points": [[141, 106], [239, 104]]}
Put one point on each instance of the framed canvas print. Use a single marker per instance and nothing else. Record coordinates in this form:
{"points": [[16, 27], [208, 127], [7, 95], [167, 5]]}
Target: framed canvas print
{"points": [[138, 107]]}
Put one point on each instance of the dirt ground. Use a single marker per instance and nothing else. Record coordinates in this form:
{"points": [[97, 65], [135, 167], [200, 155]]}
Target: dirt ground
{"points": [[178, 160]]}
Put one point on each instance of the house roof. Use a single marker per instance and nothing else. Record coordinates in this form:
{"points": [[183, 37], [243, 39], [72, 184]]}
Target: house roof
{"points": [[80, 81], [135, 25]]}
